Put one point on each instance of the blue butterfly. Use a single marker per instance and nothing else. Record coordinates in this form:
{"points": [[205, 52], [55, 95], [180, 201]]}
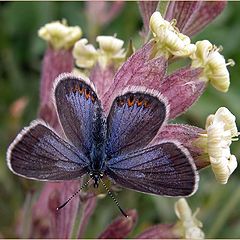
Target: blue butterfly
{"points": [[116, 146]]}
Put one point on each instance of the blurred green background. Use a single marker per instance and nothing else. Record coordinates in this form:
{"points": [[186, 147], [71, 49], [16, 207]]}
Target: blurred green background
{"points": [[21, 53]]}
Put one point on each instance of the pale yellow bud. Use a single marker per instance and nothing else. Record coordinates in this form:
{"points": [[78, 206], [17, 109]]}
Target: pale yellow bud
{"points": [[215, 71], [229, 120], [188, 226], [156, 22], [110, 44], [220, 131], [223, 168], [59, 35], [169, 41], [182, 210], [84, 54], [110, 50]]}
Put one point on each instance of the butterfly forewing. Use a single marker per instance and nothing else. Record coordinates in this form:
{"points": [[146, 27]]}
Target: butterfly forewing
{"points": [[164, 169], [39, 153], [133, 121], [79, 111]]}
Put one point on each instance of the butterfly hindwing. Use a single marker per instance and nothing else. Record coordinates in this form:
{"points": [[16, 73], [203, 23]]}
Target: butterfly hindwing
{"points": [[39, 153], [133, 121], [164, 169], [79, 111]]}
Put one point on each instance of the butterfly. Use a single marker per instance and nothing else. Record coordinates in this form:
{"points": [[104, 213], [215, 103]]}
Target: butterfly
{"points": [[116, 146]]}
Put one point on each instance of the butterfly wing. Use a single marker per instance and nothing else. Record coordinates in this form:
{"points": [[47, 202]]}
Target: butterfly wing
{"points": [[164, 169], [133, 121], [39, 153], [79, 111]]}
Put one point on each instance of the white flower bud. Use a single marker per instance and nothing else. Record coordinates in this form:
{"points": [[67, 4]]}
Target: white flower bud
{"points": [[188, 224], [84, 54], [215, 71], [109, 44], [168, 39], [59, 35], [220, 131]]}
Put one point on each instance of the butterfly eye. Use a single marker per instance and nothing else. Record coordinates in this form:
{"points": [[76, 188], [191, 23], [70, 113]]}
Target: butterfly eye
{"points": [[130, 101]]}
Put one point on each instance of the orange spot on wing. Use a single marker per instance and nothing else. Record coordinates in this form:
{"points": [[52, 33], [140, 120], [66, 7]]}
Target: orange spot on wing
{"points": [[146, 103], [75, 88], [130, 101], [81, 89], [140, 102], [87, 93], [93, 98]]}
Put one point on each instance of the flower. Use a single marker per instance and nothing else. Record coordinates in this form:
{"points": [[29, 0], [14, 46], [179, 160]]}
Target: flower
{"points": [[46, 222], [182, 88], [169, 41], [52, 66], [207, 56], [191, 16], [221, 130], [59, 35], [110, 51], [85, 54], [100, 64], [110, 48], [188, 225], [121, 226]]}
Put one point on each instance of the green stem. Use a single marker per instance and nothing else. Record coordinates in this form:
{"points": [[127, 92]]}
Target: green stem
{"points": [[161, 7], [149, 31], [225, 213], [27, 216], [148, 36]]}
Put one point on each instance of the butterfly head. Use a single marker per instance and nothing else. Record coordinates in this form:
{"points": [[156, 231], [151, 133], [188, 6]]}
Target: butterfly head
{"points": [[96, 175]]}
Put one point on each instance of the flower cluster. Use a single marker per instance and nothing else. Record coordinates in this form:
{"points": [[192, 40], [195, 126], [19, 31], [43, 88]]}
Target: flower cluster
{"points": [[110, 50], [171, 42], [109, 70], [221, 127], [207, 56]]}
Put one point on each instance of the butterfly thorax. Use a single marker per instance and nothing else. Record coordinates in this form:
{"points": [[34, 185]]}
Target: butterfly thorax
{"points": [[97, 157]]}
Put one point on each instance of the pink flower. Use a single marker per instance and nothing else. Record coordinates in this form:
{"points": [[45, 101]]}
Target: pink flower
{"points": [[147, 67]]}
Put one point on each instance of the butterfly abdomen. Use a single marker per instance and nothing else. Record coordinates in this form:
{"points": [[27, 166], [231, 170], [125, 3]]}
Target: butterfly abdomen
{"points": [[99, 131]]}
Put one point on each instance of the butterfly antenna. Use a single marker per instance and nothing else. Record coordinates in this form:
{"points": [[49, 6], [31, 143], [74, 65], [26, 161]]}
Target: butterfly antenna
{"points": [[113, 198], [83, 186]]}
